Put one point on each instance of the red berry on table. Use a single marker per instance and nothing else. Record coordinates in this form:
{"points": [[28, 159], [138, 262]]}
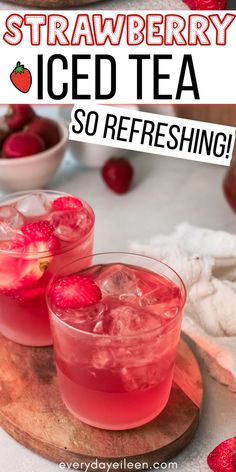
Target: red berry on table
{"points": [[75, 291], [118, 174], [18, 116], [21, 78], [206, 4], [46, 128], [22, 144], [223, 457], [67, 203]]}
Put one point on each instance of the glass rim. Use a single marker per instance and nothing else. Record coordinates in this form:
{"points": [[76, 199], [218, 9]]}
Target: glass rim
{"points": [[170, 323], [17, 253]]}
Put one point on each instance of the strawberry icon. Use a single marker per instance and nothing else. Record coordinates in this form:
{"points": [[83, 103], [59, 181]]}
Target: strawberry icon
{"points": [[21, 78]]}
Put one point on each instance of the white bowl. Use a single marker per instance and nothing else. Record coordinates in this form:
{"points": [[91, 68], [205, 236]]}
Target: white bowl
{"points": [[26, 173]]}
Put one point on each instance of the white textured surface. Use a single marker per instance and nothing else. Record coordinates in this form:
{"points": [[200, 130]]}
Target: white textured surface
{"points": [[167, 192], [125, 4]]}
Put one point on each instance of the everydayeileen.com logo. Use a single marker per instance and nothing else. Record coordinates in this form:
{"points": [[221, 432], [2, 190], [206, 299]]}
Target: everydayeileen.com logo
{"points": [[121, 465]]}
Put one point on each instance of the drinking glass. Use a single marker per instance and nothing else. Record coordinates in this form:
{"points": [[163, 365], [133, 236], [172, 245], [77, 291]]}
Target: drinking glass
{"points": [[115, 359]]}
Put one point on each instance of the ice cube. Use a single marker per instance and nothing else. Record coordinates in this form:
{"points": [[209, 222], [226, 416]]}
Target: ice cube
{"points": [[99, 327], [118, 281], [10, 222], [163, 295], [83, 318], [71, 225], [103, 358], [33, 205], [127, 320], [143, 377], [170, 313], [152, 362]]}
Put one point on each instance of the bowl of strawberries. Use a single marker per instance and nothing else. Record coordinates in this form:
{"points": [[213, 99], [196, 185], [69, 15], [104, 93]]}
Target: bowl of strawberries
{"points": [[31, 148]]}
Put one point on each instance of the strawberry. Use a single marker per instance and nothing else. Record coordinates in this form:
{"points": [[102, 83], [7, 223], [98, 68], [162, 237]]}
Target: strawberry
{"points": [[22, 144], [45, 128], [67, 203], [75, 291], [118, 174], [38, 237], [206, 4], [35, 246], [38, 231], [223, 457], [21, 78], [4, 130], [21, 271], [18, 116], [28, 289]]}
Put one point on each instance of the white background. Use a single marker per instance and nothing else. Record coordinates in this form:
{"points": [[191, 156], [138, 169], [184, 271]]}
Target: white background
{"points": [[215, 68]]}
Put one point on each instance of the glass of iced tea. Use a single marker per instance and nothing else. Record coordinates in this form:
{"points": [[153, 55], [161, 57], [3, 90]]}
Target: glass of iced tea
{"points": [[38, 232], [116, 327]]}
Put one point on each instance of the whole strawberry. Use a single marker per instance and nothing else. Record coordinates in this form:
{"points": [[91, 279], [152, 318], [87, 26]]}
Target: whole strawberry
{"points": [[118, 174], [4, 130], [46, 128], [21, 78], [22, 144], [223, 457], [18, 116], [206, 4]]}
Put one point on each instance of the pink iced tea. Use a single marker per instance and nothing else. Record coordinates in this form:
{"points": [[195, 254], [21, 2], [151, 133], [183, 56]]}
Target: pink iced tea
{"points": [[38, 231], [115, 357]]}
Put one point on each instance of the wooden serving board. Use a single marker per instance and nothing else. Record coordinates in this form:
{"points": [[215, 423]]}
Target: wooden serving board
{"points": [[32, 412]]}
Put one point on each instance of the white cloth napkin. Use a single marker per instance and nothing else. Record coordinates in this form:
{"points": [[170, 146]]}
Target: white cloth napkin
{"points": [[206, 260]]}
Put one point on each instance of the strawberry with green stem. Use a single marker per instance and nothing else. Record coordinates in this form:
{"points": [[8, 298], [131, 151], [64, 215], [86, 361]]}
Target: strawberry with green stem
{"points": [[21, 78]]}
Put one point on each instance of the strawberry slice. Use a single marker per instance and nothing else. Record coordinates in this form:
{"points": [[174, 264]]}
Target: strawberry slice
{"points": [[38, 231], [75, 291], [38, 237], [67, 203], [30, 288], [35, 246], [223, 457]]}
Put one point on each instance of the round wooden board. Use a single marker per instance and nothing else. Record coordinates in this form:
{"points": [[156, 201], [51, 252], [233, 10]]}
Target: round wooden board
{"points": [[32, 412]]}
